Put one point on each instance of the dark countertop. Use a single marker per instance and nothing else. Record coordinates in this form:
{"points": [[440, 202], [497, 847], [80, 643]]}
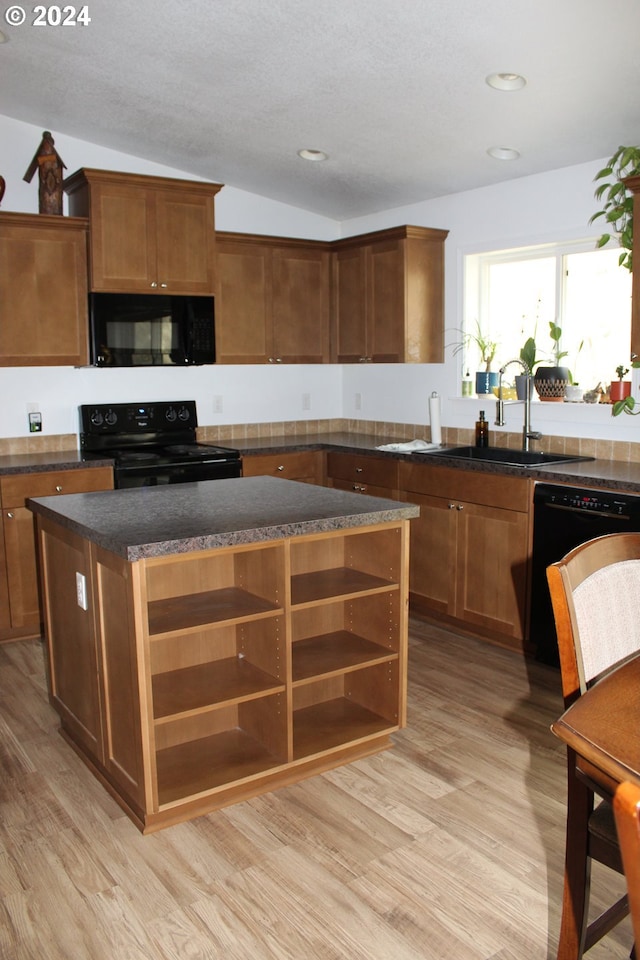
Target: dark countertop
{"points": [[605, 474], [186, 517], [41, 462]]}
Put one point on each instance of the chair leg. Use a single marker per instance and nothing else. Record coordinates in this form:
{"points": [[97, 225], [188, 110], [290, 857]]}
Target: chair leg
{"points": [[577, 868]]}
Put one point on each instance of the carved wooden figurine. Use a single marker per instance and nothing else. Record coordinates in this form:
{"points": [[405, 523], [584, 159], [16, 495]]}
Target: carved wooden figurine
{"points": [[49, 165]]}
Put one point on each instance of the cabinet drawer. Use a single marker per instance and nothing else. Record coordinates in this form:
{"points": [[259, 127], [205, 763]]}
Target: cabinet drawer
{"points": [[305, 465], [358, 469], [488, 489], [15, 489]]}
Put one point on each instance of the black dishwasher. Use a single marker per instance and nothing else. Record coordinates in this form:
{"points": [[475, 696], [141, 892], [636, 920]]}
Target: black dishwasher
{"points": [[563, 518]]}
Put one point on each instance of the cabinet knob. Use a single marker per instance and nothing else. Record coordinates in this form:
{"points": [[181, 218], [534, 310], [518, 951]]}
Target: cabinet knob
{"points": [[459, 507], [281, 467], [359, 469], [58, 488], [153, 284], [275, 360], [163, 285], [9, 515], [451, 506]]}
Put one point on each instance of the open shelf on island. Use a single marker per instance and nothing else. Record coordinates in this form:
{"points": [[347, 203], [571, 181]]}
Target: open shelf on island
{"points": [[193, 610], [333, 653], [321, 585], [327, 725], [191, 689]]}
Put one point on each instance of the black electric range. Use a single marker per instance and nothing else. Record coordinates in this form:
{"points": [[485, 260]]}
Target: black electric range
{"points": [[153, 443]]}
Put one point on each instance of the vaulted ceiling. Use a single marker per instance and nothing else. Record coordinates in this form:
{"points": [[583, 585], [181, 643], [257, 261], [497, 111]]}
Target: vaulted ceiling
{"points": [[394, 93]]}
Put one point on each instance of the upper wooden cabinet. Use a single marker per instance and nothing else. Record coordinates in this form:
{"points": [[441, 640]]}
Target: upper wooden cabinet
{"points": [[43, 290], [634, 184], [272, 301], [146, 234], [388, 297]]}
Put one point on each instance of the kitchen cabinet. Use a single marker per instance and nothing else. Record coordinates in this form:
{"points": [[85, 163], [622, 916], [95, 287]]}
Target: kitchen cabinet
{"points": [[388, 297], [375, 476], [225, 672], [634, 184], [470, 548], [21, 574], [146, 234], [304, 465], [43, 290], [273, 300]]}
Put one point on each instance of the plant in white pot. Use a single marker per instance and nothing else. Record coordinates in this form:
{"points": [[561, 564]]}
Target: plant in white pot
{"points": [[550, 381]]}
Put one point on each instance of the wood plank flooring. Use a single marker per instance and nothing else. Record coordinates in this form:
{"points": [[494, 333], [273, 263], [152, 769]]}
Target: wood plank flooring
{"points": [[447, 847]]}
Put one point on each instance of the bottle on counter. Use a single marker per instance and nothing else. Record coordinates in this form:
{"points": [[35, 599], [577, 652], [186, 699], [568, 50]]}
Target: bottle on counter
{"points": [[482, 431]]}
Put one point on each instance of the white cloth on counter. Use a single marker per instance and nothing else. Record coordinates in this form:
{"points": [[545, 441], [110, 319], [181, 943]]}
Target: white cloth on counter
{"points": [[411, 446]]}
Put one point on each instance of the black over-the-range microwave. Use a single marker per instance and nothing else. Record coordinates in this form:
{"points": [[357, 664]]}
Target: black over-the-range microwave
{"points": [[147, 330]]}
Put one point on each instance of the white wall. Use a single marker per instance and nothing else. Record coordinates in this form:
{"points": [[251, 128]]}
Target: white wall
{"points": [[549, 206]]}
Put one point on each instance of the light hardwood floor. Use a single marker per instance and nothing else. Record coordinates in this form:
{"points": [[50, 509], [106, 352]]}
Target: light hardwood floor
{"points": [[447, 847]]}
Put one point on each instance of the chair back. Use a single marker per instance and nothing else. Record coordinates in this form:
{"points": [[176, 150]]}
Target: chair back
{"points": [[626, 807], [595, 594]]}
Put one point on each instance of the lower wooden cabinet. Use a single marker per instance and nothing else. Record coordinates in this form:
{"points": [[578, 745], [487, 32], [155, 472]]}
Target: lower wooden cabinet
{"points": [[375, 476], [22, 613], [197, 680], [470, 548], [304, 465]]}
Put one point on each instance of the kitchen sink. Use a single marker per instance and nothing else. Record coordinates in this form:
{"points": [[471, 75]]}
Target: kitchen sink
{"points": [[517, 458]]}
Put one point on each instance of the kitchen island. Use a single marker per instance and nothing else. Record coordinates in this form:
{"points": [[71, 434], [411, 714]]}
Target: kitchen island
{"points": [[211, 641]]}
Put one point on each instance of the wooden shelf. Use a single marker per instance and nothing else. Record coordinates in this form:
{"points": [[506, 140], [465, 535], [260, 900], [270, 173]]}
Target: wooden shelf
{"points": [[335, 653], [334, 583], [325, 726], [191, 768], [190, 690], [212, 606]]}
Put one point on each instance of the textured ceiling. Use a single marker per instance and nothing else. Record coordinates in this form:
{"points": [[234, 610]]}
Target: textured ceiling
{"points": [[395, 93]]}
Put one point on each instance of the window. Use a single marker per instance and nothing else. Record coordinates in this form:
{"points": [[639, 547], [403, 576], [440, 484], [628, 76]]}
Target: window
{"points": [[514, 294]]}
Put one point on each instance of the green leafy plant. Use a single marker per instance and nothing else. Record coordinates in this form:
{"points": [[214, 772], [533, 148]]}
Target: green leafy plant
{"points": [[628, 404], [485, 346], [617, 208], [528, 353], [555, 333], [621, 370]]}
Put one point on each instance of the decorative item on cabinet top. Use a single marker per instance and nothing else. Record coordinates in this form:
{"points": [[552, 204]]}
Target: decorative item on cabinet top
{"points": [[48, 162]]}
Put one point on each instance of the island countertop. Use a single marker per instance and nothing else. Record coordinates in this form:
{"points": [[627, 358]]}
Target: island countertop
{"points": [[181, 518]]}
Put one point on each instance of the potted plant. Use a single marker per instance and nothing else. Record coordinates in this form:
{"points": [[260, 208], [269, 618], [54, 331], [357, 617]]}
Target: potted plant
{"points": [[550, 381], [620, 388], [617, 207], [527, 355], [486, 379]]}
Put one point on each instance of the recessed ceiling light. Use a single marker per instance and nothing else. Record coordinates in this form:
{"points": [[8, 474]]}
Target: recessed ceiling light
{"points": [[313, 155], [503, 153], [506, 81]]}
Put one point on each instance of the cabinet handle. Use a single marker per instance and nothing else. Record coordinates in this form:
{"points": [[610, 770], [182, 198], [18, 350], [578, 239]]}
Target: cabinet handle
{"points": [[9, 515], [359, 488], [58, 488], [275, 360], [451, 506], [281, 467], [153, 284], [459, 507], [163, 285], [359, 469]]}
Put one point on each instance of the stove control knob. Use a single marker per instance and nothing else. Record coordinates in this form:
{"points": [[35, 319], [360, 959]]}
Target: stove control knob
{"points": [[170, 414], [183, 413], [96, 418], [111, 417]]}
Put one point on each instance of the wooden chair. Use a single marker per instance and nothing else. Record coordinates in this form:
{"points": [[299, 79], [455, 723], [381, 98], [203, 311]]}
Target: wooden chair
{"points": [[595, 594], [626, 807]]}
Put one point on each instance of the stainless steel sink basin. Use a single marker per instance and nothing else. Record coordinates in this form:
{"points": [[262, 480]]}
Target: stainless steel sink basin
{"points": [[516, 458]]}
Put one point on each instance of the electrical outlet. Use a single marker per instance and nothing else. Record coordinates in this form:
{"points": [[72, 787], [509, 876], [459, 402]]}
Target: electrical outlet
{"points": [[35, 422], [218, 403], [306, 401], [81, 591]]}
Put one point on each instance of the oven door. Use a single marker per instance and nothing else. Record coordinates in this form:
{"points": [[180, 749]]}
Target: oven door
{"points": [[156, 476]]}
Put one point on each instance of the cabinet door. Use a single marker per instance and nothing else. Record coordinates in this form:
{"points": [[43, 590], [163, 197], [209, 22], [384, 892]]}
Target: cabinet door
{"points": [[5, 613], [433, 556], [243, 303], [185, 240], [349, 332], [122, 238], [301, 305], [386, 302], [43, 291], [22, 572], [492, 568], [305, 465]]}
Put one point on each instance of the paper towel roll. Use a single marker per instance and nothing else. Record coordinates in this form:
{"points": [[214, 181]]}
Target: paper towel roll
{"points": [[434, 418]]}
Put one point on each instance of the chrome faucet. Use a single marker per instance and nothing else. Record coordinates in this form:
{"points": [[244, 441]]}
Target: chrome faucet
{"points": [[527, 433]]}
